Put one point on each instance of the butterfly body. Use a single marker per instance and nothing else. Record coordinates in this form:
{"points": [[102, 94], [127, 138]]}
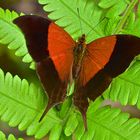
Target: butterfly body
{"points": [[61, 61], [79, 51]]}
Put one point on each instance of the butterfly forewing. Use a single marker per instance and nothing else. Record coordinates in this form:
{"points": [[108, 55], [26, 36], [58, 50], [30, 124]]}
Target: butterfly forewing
{"points": [[97, 56]]}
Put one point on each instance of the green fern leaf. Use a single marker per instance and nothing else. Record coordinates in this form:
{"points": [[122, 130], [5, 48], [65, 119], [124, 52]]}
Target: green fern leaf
{"points": [[56, 132], [66, 15], [126, 87], [133, 23], [21, 104], [71, 124], [119, 13], [111, 124], [115, 9], [10, 137], [12, 36]]}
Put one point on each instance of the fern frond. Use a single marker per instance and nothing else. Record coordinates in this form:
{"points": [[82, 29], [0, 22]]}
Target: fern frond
{"points": [[111, 124], [69, 14], [133, 23], [10, 137], [21, 104], [126, 87], [97, 19], [118, 13], [12, 36]]}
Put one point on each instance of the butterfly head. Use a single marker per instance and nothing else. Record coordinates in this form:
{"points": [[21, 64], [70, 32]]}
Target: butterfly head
{"points": [[82, 39], [80, 46]]}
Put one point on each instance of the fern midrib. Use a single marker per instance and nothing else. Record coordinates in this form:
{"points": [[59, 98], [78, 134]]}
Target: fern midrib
{"points": [[124, 17], [90, 26], [110, 130], [13, 99], [13, 28], [32, 108], [131, 82]]}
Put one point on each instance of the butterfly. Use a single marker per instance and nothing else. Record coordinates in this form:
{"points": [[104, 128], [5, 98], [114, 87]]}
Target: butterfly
{"points": [[62, 61]]}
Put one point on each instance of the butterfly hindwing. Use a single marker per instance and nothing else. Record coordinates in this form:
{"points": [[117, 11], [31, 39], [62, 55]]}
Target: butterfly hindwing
{"points": [[50, 47]]}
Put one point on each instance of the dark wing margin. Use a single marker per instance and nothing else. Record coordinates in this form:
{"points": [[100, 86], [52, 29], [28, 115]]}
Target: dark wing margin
{"points": [[35, 30], [126, 48]]}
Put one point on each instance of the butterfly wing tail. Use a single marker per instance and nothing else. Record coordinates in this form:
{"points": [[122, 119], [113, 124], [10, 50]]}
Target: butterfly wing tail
{"points": [[45, 112], [48, 107], [93, 89], [81, 102], [52, 84]]}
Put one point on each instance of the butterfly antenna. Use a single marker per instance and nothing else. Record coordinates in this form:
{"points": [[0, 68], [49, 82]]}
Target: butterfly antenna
{"points": [[93, 29], [80, 21]]}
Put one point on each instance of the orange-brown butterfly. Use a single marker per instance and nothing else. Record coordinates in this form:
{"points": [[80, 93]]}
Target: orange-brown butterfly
{"points": [[61, 61]]}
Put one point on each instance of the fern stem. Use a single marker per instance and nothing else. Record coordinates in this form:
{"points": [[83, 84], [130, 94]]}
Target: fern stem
{"points": [[125, 16]]}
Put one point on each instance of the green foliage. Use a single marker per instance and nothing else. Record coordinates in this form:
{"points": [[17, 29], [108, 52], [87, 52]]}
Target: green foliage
{"points": [[120, 12], [126, 86], [10, 137], [21, 103], [133, 22], [66, 15], [111, 124], [12, 36], [97, 19]]}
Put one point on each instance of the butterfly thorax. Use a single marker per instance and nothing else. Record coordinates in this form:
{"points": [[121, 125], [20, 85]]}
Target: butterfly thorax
{"points": [[78, 52]]}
